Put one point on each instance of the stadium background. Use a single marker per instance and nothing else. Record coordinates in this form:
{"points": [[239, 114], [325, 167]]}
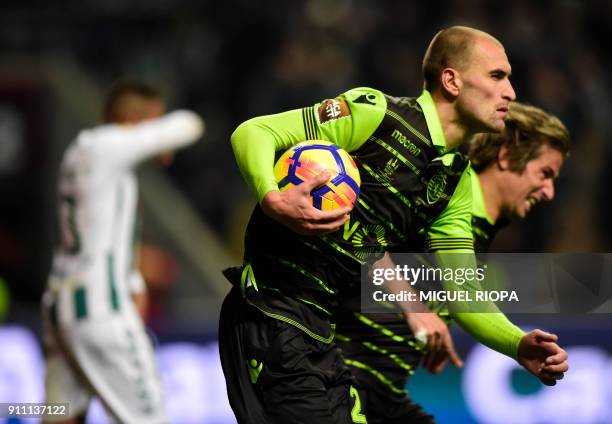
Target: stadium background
{"points": [[236, 59]]}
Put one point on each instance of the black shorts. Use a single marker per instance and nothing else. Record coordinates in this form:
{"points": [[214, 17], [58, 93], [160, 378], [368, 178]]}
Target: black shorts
{"points": [[381, 365], [275, 373], [384, 406]]}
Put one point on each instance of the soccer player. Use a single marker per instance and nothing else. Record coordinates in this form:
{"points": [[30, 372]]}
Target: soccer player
{"points": [[276, 328], [512, 171], [95, 340]]}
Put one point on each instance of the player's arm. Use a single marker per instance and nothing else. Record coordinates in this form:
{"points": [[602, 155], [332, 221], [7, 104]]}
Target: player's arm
{"points": [[426, 325], [126, 145], [346, 121], [451, 234], [537, 350]]}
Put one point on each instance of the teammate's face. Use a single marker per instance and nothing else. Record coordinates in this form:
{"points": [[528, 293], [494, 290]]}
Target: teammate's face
{"points": [[535, 184], [485, 90]]}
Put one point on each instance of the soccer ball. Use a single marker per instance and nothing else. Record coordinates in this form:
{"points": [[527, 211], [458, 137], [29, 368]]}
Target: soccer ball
{"points": [[308, 159]]}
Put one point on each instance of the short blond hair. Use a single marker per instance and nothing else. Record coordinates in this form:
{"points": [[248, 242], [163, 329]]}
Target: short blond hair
{"points": [[449, 48], [527, 129]]}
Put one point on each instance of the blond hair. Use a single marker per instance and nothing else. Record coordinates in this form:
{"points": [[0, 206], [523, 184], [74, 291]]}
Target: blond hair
{"points": [[527, 129]]}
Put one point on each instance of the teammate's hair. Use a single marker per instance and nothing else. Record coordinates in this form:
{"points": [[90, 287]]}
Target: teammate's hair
{"points": [[124, 101], [527, 129], [449, 48]]}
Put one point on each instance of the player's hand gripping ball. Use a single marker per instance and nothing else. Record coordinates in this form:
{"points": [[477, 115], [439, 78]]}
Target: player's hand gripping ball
{"points": [[308, 159]]}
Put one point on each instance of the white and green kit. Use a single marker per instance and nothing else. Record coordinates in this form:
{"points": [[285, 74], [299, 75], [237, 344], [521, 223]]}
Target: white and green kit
{"points": [[96, 342]]}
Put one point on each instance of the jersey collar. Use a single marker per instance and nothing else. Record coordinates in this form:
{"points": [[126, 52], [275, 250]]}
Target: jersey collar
{"points": [[479, 208], [433, 121]]}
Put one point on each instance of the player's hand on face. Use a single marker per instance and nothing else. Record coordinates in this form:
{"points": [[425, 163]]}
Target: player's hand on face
{"points": [[293, 208], [434, 334], [540, 355]]}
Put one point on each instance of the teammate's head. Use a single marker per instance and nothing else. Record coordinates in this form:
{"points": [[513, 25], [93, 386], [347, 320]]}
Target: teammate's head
{"points": [[524, 159], [130, 102], [470, 69]]}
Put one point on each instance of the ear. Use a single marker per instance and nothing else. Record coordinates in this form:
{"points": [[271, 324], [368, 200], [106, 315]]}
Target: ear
{"points": [[451, 81], [503, 162]]}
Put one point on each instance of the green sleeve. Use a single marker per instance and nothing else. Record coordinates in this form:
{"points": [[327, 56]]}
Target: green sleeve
{"points": [[348, 121], [486, 323], [452, 230], [255, 143], [493, 330], [452, 233]]}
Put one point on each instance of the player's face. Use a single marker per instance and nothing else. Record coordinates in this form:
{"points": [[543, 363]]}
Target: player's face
{"points": [[154, 109], [486, 90], [535, 184]]}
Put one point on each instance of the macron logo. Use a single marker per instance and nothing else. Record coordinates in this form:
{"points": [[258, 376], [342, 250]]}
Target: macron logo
{"points": [[412, 148]]}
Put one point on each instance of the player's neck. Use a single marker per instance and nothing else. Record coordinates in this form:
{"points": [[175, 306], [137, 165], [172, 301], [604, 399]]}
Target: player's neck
{"points": [[454, 132], [455, 136]]}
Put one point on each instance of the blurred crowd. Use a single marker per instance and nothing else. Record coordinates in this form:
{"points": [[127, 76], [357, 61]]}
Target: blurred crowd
{"points": [[236, 59]]}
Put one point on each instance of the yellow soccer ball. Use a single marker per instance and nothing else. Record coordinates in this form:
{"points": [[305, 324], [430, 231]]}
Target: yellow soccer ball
{"points": [[308, 159]]}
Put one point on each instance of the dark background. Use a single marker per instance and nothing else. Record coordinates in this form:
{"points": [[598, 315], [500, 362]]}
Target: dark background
{"points": [[233, 60]]}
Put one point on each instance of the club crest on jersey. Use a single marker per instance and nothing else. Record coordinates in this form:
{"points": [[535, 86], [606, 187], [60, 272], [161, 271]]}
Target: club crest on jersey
{"points": [[333, 109], [390, 169], [385, 175], [436, 187]]}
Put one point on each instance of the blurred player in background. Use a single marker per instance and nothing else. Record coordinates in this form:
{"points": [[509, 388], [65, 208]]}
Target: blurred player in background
{"points": [[277, 326], [95, 340], [512, 171]]}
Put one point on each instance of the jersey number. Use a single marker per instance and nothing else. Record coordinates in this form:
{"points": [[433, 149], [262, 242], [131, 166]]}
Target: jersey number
{"points": [[356, 415]]}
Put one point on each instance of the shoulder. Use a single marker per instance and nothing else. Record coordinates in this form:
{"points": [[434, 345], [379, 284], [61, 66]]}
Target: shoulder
{"points": [[362, 103], [365, 96], [91, 137], [99, 146]]}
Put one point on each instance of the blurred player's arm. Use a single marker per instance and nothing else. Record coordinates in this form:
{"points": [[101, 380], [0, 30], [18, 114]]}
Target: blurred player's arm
{"points": [[126, 145], [344, 121]]}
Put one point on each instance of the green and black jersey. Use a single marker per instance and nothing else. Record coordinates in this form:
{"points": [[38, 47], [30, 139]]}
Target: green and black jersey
{"points": [[414, 196], [382, 350]]}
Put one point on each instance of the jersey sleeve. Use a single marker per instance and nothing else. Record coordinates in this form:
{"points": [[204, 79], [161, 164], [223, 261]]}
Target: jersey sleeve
{"points": [[493, 330], [452, 230], [348, 121], [452, 233], [125, 146]]}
